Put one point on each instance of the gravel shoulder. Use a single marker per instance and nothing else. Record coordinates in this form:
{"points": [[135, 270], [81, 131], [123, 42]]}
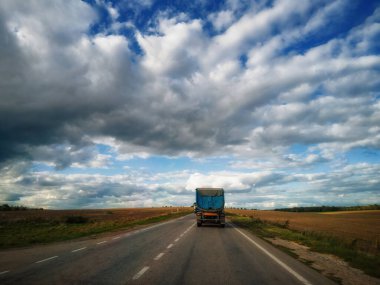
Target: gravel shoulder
{"points": [[329, 265]]}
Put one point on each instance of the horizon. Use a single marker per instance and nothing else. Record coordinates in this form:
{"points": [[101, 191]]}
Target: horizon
{"points": [[339, 208], [122, 104]]}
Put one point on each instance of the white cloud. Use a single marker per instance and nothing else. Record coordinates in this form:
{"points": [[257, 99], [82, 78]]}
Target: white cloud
{"points": [[221, 180], [324, 17], [40, 33], [221, 20], [249, 93], [174, 53], [255, 189], [253, 27]]}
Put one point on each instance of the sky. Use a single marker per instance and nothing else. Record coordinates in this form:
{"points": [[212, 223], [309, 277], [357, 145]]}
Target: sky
{"points": [[113, 104]]}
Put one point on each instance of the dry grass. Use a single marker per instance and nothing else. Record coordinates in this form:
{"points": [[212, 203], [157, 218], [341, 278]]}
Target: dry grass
{"points": [[97, 215], [22, 228], [358, 228], [353, 236]]}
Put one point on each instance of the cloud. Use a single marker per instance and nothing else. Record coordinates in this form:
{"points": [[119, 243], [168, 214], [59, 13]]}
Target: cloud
{"points": [[105, 93], [267, 80], [59, 190], [174, 53], [221, 20], [354, 183]]}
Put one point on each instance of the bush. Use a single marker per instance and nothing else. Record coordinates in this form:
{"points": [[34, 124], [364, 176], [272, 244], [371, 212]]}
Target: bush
{"points": [[6, 207], [76, 220]]}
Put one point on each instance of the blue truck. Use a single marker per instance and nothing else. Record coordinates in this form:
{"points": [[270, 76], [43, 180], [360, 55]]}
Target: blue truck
{"points": [[209, 206]]}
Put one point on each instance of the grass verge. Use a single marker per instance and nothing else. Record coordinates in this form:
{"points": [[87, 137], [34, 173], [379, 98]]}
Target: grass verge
{"points": [[318, 242], [40, 231]]}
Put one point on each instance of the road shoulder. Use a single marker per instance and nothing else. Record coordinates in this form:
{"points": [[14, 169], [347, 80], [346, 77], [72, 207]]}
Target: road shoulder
{"points": [[328, 264]]}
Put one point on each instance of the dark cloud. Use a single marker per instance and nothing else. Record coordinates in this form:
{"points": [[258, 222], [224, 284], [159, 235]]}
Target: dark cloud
{"points": [[63, 88]]}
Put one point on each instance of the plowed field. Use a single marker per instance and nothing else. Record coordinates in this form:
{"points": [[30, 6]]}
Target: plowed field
{"points": [[100, 215], [360, 228]]}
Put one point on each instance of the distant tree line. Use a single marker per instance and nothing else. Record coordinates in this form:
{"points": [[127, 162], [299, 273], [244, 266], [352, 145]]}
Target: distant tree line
{"points": [[242, 208], [330, 208], [6, 207]]}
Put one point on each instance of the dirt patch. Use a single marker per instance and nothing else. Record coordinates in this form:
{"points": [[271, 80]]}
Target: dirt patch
{"points": [[329, 265]]}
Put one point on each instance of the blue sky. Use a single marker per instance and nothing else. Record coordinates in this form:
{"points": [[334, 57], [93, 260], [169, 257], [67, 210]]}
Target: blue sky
{"points": [[136, 103]]}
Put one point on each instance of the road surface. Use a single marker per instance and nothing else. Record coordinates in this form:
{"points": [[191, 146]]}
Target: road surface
{"points": [[174, 252]]}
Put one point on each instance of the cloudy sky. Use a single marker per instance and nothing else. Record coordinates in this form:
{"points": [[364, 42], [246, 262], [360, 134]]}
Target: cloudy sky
{"points": [[136, 103]]}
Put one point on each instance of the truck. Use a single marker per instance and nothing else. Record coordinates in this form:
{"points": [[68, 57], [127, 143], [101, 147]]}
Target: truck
{"points": [[209, 206]]}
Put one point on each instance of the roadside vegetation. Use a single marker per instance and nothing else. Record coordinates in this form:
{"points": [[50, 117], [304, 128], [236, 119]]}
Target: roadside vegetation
{"points": [[29, 227], [6, 207], [330, 208], [367, 259]]}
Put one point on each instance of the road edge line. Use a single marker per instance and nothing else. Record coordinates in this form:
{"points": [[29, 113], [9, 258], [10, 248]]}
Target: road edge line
{"points": [[279, 262]]}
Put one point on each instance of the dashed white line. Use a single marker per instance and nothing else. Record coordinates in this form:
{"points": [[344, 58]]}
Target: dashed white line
{"points": [[188, 229], [46, 259], [143, 270], [79, 249], [146, 268], [159, 256], [279, 262], [140, 273]]}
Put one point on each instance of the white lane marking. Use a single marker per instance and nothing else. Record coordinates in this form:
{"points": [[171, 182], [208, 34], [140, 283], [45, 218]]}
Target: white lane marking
{"points": [[104, 241], [159, 256], [3, 272], [140, 273], [149, 228], [79, 249], [279, 262], [188, 229], [182, 235], [117, 237], [46, 259]]}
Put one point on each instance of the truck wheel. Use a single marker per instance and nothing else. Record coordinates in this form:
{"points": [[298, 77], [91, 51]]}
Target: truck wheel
{"points": [[199, 224]]}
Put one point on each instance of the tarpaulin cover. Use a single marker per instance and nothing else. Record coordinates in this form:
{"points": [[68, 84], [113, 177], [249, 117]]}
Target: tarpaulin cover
{"points": [[210, 198]]}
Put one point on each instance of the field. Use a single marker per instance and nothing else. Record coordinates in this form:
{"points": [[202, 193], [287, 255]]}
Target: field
{"points": [[22, 228], [353, 236], [359, 228]]}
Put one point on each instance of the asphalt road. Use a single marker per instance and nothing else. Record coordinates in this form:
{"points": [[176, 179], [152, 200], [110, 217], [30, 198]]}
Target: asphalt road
{"points": [[175, 252]]}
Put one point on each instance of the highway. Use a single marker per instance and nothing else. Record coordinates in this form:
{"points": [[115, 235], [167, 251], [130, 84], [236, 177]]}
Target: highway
{"points": [[174, 252]]}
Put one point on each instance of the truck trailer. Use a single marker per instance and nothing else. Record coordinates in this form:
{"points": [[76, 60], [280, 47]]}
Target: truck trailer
{"points": [[209, 206]]}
